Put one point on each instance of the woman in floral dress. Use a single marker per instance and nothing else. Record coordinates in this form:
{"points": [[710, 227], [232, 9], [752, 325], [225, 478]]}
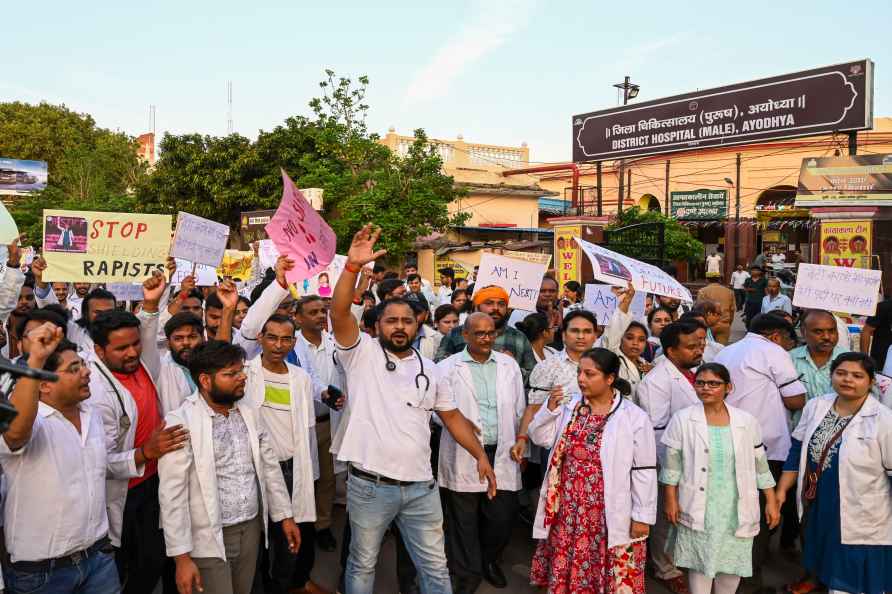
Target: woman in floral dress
{"points": [[714, 469], [600, 495]]}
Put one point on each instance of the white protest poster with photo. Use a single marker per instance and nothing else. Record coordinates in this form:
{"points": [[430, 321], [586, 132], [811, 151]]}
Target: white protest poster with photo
{"points": [[837, 288], [267, 254], [618, 270], [521, 279], [199, 240], [602, 301], [205, 276]]}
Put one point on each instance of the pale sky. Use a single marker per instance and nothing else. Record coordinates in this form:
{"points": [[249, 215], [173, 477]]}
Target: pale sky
{"points": [[497, 72]]}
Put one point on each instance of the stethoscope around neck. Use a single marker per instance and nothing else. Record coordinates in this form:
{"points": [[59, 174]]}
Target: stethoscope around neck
{"points": [[420, 377]]}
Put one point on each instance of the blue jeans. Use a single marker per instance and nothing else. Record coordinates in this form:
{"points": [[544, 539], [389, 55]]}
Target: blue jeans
{"points": [[97, 574], [416, 509]]}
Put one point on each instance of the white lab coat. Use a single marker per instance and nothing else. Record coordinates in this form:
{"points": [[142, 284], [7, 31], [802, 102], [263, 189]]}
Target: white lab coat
{"points": [[105, 390], [688, 431], [259, 312], [865, 463], [173, 387], [628, 462], [663, 392], [303, 423], [457, 468], [190, 510], [612, 339], [430, 342]]}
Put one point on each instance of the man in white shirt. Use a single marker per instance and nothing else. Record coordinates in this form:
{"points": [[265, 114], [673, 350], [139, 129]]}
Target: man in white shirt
{"points": [[774, 299], [318, 345], [488, 389], [385, 434], [714, 263], [738, 278], [218, 492], [55, 460], [766, 385], [665, 390], [444, 292]]}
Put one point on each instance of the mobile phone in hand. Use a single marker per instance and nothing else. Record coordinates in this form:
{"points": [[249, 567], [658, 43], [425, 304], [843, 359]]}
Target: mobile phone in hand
{"points": [[334, 394]]}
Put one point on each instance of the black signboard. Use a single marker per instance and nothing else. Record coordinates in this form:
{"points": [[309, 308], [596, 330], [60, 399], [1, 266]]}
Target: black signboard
{"points": [[253, 224], [813, 102]]}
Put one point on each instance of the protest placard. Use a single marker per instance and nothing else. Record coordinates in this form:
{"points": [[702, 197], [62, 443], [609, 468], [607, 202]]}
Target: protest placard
{"points": [[205, 276], [236, 264], [521, 279], [8, 229], [300, 233], [104, 247], [837, 288], [199, 240], [267, 253], [126, 291], [529, 257], [602, 301], [618, 270]]}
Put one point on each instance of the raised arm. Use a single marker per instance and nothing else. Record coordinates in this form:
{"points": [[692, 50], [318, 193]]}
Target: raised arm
{"points": [[228, 295], [152, 291], [361, 252]]}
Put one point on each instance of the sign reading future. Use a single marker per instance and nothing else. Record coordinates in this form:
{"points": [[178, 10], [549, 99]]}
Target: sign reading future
{"points": [[813, 102], [863, 180], [699, 205]]}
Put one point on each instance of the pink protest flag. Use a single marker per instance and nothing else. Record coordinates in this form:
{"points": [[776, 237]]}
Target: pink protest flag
{"points": [[301, 234]]}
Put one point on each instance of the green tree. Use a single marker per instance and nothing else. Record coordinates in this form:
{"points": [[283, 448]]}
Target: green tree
{"points": [[90, 168], [680, 244]]}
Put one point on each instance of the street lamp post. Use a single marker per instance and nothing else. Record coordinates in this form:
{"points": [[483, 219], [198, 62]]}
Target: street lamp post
{"points": [[630, 91]]}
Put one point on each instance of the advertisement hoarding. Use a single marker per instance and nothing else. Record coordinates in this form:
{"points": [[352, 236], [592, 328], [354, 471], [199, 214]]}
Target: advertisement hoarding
{"points": [[859, 180]]}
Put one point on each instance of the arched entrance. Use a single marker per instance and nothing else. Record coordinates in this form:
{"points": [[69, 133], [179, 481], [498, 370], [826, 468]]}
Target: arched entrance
{"points": [[783, 228], [649, 202]]}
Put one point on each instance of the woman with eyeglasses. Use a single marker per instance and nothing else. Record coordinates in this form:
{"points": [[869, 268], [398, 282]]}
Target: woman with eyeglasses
{"points": [[599, 498], [842, 457], [715, 467]]}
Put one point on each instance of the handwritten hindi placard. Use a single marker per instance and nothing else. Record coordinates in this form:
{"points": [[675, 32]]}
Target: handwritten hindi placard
{"points": [[126, 291], [837, 288], [602, 301], [205, 276], [521, 279], [104, 247], [619, 270], [199, 240], [301, 234]]}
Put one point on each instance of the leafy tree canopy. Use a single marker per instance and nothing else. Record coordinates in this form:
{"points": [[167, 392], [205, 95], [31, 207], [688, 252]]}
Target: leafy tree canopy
{"points": [[680, 244]]}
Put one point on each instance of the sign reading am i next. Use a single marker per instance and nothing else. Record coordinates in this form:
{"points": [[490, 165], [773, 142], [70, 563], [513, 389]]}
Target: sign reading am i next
{"points": [[812, 102]]}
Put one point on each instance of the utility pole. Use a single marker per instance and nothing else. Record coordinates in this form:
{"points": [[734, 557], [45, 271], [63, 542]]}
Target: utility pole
{"points": [[853, 142], [737, 214], [666, 205], [229, 112], [630, 91], [599, 195]]}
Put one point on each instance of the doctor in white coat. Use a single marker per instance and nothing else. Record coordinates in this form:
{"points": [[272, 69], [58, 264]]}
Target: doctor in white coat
{"points": [[598, 425], [218, 493], [488, 389], [665, 390]]}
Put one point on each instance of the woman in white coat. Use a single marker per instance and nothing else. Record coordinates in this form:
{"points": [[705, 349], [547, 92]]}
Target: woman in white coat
{"points": [[600, 495], [842, 458], [715, 467], [627, 337]]}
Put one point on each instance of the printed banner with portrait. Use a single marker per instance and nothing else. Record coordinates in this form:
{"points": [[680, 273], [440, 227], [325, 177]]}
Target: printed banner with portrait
{"points": [[846, 243]]}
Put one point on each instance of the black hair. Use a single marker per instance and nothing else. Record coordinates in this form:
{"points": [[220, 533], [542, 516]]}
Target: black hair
{"points": [[765, 324], [245, 300], [378, 268], [548, 277], [390, 274], [639, 325], [413, 277], [534, 325], [196, 294], [467, 306], [447, 272], [181, 319], [58, 310], [370, 317], [40, 315], [387, 286], [55, 359], [573, 286], [92, 296], [443, 311], [671, 335], [653, 312], [213, 302], [279, 319], [415, 303], [392, 301], [866, 361], [716, 369], [579, 313], [213, 356], [695, 317], [109, 321], [368, 295], [608, 363], [299, 306], [410, 265]]}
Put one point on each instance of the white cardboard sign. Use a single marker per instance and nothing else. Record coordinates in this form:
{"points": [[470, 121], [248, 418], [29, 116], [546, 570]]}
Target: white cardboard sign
{"points": [[205, 276], [521, 279], [602, 301], [126, 291], [199, 240], [837, 288]]}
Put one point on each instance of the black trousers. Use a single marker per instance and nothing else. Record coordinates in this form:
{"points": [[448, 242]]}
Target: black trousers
{"points": [[750, 311], [739, 297], [761, 541], [285, 570], [141, 559], [477, 531]]}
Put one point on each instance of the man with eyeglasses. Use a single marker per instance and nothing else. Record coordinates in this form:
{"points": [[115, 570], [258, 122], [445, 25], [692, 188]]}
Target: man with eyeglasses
{"points": [[55, 460], [488, 389], [283, 396], [385, 433]]}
